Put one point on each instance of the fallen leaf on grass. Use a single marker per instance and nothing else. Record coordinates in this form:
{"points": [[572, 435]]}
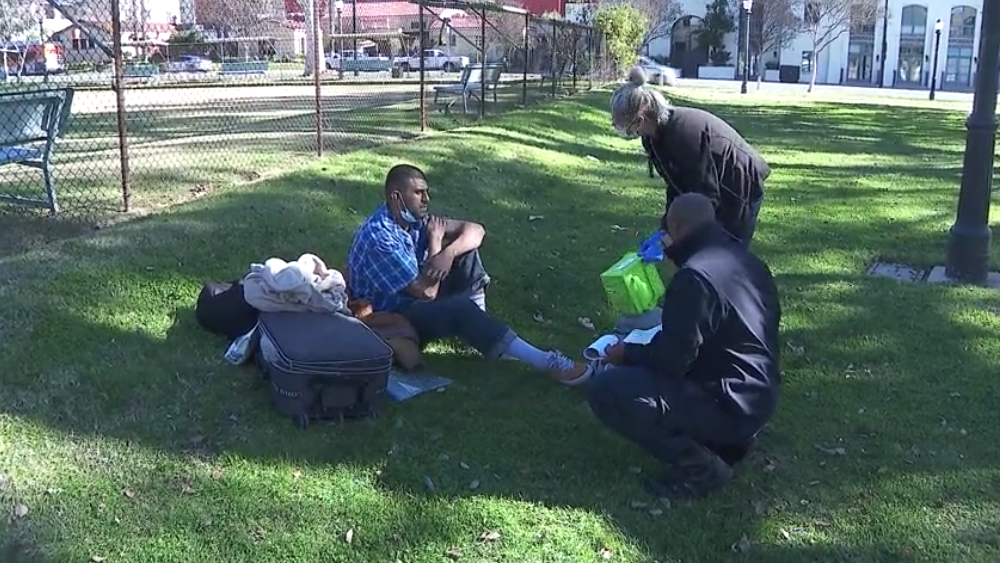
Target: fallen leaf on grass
{"points": [[217, 473], [656, 512], [197, 440], [474, 484], [129, 493], [533, 218], [586, 323], [538, 317], [822, 523], [784, 534], [637, 504], [4, 481], [742, 546], [453, 553], [187, 489], [606, 553], [837, 451], [296, 474], [618, 228], [429, 483], [758, 508], [20, 511], [463, 465], [796, 350], [489, 536], [96, 559], [635, 469], [349, 536]]}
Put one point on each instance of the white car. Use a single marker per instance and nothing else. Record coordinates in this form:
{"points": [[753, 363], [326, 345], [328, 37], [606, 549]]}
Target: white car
{"points": [[190, 63], [657, 73]]}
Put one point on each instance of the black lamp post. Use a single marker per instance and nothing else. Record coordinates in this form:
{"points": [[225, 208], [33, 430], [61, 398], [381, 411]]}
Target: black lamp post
{"points": [[747, 6], [938, 26], [969, 239]]}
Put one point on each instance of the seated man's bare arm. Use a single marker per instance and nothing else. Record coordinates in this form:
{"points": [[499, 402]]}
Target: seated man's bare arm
{"points": [[424, 288], [460, 237]]}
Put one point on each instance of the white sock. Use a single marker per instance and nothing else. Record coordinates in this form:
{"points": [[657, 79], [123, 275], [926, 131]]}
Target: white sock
{"points": [[524, 352], [479, 298]]}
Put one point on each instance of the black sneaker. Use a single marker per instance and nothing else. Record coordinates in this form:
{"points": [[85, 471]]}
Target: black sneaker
{"points": [[680, 482]]}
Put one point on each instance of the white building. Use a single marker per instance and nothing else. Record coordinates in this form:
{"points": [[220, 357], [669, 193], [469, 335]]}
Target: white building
{"points": [[856, 56]]}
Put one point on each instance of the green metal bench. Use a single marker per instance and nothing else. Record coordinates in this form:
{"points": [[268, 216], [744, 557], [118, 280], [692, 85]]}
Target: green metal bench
{"points": [[30, 123]]}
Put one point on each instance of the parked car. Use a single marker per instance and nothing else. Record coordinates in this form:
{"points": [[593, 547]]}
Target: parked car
{"points": [[434, 59], [365, 62], [657, 73], [190, 63]]}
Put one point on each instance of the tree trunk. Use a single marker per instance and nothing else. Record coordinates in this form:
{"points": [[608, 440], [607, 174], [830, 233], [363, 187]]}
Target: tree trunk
{"points": [[760, 70], [311, 39], [812, 75]]}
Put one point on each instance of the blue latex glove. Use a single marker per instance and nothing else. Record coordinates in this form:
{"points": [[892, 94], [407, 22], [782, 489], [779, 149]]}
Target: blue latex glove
{"points": [[651, 249]]}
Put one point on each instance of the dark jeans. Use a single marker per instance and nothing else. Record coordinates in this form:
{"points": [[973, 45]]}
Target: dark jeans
{"points": [[744, 232], [454, 315], [667, 418]]}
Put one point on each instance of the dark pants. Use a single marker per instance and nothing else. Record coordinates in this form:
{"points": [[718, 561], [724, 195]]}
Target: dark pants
{"points": [[669, 419], [454, 315], [745, 230]]}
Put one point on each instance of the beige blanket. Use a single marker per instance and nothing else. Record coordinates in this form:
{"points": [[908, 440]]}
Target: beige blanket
{"points": [[304, 285]]}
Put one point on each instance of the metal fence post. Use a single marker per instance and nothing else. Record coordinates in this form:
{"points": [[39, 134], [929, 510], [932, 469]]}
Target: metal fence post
{"points": [[576, 45], [590, 51], [553, 57], [118, 85], [524, 70], [423, 95], [317, 51], [482, 57]]}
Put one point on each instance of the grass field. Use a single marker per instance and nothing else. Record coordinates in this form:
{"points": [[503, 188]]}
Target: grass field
{"points": [[124, 436]]}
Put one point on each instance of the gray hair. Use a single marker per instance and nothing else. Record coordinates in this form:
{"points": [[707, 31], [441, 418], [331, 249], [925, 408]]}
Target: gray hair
{"points": [[635, 97]]}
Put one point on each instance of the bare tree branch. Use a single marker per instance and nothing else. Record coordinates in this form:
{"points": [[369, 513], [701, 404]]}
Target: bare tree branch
{"points": [[825, 21], [660, 15], [775, 23]]}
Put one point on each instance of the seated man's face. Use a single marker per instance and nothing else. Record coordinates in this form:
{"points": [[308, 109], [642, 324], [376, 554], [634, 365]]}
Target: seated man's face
{"points": [[414, 197]]}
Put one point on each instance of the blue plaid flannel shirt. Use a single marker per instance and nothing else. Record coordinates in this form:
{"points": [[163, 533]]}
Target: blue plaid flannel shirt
{"points": [[384, 259]]}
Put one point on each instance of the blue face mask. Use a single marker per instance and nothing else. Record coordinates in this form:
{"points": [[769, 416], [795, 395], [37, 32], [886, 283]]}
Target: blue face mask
{"points": [[407, 216]]}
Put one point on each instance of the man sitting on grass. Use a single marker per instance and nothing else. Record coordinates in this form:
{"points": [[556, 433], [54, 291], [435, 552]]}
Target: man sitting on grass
{"points": [[699, 393], [427, 268]]}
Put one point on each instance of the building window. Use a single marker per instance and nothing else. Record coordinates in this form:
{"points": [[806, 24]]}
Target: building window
{"points": [[82, 44], [914, 21], [963, 23], [958, 67], [807, 62]]}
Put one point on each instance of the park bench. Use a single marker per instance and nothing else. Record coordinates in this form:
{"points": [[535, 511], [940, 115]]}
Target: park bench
{"points": [[30, 123], [471, 85], [243, 68]]}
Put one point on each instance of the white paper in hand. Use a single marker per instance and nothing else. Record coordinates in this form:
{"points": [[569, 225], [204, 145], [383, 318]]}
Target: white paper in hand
{"points": [[597, 350], [642, 336]]}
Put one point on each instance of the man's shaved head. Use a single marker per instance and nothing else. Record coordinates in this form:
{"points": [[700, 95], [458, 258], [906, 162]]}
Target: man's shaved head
{"points": [[688, 212]]}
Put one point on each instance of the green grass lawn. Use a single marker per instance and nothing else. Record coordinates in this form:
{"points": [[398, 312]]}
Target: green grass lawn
{"points": [[125, 438]]}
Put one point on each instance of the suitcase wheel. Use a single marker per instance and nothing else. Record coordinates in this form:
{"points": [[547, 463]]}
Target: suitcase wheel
{"points": [[302, 421]]}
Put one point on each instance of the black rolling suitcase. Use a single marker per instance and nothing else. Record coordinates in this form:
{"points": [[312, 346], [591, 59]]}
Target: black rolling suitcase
{"points": [[322, 366]]}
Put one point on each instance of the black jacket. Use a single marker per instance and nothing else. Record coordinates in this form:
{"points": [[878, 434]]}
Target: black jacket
{"points": [[696, 151], [720, 324]]}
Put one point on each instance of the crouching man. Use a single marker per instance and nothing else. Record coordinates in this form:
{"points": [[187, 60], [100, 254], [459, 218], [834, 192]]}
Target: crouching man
{"points": [[697, 396], [428, 269]]}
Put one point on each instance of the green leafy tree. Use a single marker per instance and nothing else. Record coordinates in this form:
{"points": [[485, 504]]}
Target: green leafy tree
{"points": [[719, 22], [623, 27]]}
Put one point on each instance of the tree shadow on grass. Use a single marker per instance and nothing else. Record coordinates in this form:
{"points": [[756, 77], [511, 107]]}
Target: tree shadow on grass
{"points": [[856, 356]]}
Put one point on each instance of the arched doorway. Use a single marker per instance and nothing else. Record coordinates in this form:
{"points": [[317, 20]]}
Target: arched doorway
{"points": [[686, 51], [961, 37], [911, 71]]}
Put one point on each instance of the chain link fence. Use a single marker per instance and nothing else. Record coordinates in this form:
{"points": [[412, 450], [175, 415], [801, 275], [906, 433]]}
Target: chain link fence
{"points": [[115, 108]]}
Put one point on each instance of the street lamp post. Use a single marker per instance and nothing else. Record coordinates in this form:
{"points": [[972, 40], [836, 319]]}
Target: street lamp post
{"points": [[969, 239], [938, 26], [339, 7], [748, 6]]}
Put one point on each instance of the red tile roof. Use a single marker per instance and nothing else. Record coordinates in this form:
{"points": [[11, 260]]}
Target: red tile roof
{"points": [[380, 15]]}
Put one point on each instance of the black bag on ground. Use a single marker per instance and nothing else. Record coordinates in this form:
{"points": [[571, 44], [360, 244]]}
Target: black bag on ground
{"points": [[222, 310], [323, 366]]}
